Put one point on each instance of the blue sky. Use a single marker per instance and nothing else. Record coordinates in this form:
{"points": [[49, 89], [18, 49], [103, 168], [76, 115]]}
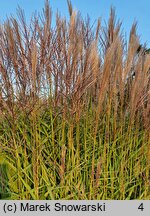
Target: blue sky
{"points": [[126, 10]]}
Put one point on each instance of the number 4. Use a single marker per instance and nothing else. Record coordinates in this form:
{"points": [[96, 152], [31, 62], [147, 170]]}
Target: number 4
{"points": [[141, 207]]}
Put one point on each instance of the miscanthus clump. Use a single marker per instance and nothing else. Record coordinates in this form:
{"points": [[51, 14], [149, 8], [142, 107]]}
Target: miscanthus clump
{"points": [[74, 109]]}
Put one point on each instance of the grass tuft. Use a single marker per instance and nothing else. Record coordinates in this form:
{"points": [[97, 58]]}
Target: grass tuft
{"points": [[74, 109]]}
